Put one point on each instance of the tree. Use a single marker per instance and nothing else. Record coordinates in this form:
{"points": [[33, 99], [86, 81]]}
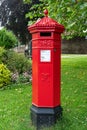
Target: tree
{"points": [[71, 13], [36, 11], [12, 16]]}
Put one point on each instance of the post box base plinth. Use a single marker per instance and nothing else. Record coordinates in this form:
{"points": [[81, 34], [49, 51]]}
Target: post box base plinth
{"points": [[45, 117]]}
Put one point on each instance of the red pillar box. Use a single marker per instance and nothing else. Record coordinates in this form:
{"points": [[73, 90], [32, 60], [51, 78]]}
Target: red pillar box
{"points": [[46, 69]]}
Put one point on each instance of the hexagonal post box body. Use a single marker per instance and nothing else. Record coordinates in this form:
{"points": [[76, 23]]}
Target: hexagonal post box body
{"points": [[46, 69]]}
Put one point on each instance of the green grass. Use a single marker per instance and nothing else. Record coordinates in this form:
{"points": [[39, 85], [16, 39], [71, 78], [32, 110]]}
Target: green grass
{"points": [[74, 92], [14, 108], [16, 102]]}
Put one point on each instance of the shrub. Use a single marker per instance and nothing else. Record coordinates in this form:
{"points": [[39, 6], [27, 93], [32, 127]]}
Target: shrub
{"points": [[5, 76], [23, 78], [19, 65], [2, 51], [14, 77], [22, 64], [16, 62], [7, 39]]}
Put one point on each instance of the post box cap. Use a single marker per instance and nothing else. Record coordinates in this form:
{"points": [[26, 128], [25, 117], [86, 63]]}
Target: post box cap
{"points": [[46, 12], [46, 23]]}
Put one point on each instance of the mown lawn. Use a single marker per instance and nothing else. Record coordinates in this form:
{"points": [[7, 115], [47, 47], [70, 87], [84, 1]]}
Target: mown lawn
{"points": [[15, 102], [14, 108]]}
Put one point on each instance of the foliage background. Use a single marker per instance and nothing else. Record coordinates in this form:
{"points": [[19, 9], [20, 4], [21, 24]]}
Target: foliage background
{"points": [[71, 13]]}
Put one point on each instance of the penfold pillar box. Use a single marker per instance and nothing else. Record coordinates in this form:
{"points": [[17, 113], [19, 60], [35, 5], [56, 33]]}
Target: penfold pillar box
{"points": [[46, 71]]}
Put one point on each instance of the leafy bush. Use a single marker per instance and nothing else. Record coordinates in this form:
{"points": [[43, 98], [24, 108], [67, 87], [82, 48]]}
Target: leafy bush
{"points": [[7, 39], [2, 50], [19, 65], [5, 76], [16, 62]]}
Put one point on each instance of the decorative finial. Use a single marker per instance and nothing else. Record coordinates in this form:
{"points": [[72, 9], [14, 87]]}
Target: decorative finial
{"points": [[46, 12]]}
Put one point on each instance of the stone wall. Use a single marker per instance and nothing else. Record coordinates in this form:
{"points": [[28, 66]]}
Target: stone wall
{"points": [[19, 49], [74, 46]]}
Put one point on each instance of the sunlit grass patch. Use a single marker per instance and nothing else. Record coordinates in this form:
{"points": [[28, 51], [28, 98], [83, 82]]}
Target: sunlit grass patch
{"points": [[74, 91]]}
